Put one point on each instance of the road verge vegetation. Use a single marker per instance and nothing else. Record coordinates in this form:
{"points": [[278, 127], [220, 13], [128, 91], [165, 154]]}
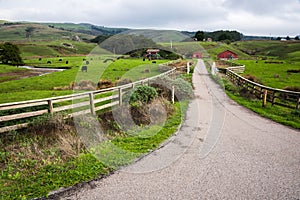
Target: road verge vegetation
{"points": [[50, 155]]}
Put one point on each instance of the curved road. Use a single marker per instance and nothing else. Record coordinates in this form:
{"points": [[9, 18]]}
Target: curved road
{"points": [[222, 151]]}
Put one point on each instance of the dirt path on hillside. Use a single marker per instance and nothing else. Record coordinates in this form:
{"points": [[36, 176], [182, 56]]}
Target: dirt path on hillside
{"points": [[223, 151]]}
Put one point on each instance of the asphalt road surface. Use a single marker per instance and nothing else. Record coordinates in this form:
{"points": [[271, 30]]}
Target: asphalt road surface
{"points": [[222, 151]]}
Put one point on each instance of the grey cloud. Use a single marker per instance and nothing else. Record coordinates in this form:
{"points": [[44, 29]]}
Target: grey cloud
{"points": [[162, 14]]}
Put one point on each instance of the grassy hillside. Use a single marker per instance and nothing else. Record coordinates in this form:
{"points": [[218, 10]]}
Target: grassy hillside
{"points": [[87, 28], [288, 50], [161, 36], [19, 32], [57, 48], [214, 48]]}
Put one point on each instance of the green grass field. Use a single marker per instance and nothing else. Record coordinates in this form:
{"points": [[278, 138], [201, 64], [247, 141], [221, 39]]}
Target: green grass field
{"points": [[273, 75], [42, 86]]}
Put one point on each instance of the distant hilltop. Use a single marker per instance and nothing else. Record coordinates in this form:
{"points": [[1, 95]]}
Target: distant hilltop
{"points": [[18, 31]]}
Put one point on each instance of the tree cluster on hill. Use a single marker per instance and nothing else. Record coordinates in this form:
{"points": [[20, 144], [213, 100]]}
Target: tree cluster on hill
{"points": [[219, 35], [10, 54], [99, 39]]}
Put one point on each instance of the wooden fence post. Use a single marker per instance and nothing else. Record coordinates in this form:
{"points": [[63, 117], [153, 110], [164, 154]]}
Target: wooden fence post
{"points": [[120, 97], [92, 105], [173, 94], [265, 98], [188, 68], [298, 102], [50, 107]]}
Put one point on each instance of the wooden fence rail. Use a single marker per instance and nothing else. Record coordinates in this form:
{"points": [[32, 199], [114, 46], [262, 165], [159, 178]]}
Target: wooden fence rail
{"points": [[275, 96], [75, 104]]}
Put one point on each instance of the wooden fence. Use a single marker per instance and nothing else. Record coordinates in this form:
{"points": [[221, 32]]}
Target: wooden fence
{"points": [[275, 96], [75, 104]]}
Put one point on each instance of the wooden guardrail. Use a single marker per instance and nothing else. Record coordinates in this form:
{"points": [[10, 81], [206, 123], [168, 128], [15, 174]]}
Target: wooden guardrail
{"points": [[75, 104], [275, 96]]}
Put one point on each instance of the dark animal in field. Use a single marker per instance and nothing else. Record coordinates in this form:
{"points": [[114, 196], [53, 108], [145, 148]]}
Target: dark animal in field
{"points": [[67, 62], [84, 68], [154, 62], [87, 62], [48, 62]]}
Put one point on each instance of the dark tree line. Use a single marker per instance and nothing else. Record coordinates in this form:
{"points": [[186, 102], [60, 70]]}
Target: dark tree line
{"points": [[219, 35], [10, 54]]}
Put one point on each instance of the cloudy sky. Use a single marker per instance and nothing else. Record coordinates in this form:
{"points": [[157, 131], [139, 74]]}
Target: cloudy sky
{"points": [[251, 17]]}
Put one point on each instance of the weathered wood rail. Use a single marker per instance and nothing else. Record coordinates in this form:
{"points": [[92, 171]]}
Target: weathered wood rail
{"points": [[75, 104], [285, 98]]}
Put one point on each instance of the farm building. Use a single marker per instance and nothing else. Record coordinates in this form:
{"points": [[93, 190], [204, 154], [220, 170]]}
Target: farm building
{"points": [[197, 55], [227, 55], [152, 53]]}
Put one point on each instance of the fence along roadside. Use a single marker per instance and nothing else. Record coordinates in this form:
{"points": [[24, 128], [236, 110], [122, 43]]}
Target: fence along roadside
{"points": [[285, 98], [87, 103]]}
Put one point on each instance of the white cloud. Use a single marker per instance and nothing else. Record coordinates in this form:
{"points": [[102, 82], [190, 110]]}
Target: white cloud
{"points": [[257, 16]]}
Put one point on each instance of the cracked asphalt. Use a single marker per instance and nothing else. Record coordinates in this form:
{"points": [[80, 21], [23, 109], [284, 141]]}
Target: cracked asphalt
{"points": [[222, 151]]}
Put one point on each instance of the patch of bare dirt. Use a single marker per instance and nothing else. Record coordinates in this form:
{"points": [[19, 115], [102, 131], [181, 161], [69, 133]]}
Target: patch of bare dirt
{"points": [[22, 74]]}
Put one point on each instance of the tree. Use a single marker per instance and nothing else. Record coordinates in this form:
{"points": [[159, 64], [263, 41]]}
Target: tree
{"points": [[224, 36], [287, 38], [10, 54], [199, 35], [297, 38], [28, 31], [278, 38]]}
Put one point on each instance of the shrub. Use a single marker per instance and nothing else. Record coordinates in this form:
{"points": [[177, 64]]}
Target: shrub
{"points": [[164, 68], [183, 89], [143, 94], [103, 83], [123, 81]]}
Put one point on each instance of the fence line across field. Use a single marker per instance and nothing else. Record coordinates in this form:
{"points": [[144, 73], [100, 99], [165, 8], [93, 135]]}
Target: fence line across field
{"points": [[285, 98], [82, 100]]}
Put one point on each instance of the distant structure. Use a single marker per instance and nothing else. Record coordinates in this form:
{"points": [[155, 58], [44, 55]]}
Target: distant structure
{"points": [[227, 55], [152, 53], [197, 55]]}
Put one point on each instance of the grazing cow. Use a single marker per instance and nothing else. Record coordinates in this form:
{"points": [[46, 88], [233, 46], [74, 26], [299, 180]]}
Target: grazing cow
{"points": [[84, 68], [67, 62], [48, 62]]}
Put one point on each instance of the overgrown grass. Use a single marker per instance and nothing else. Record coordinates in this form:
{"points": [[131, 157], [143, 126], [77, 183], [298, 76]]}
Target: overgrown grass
{"points": [[20, 179]]}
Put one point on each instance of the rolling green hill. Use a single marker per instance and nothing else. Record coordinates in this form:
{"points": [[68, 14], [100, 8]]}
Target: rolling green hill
{"points": [[160, 36], [36, 32], [289, 50]]}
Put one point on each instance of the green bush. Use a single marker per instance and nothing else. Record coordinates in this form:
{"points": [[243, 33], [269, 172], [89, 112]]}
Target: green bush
{"points": [[143, 93], [183, 89]]}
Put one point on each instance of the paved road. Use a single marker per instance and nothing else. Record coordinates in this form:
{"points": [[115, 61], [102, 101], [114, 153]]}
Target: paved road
{"points": [[223, 151]]}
